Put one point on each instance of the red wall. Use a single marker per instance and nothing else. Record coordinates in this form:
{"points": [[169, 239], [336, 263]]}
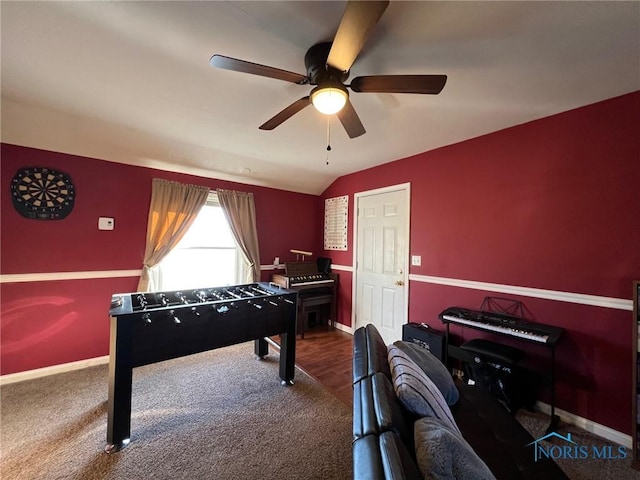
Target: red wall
{"points": [[54, 322], [552, 204]]}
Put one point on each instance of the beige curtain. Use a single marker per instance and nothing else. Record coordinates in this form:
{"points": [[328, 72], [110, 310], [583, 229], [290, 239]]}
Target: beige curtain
{"points": [[174, 206], [240, 211]]}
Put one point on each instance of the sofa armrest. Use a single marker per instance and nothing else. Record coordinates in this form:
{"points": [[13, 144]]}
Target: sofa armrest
{"points": [[383, 457], [360, 363], [369, 354], [364, 415], [376, 409], [376, 353], [367, 460]]}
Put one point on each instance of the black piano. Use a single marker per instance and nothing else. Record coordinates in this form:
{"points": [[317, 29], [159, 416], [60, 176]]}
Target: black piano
{"points": [[317, 291]]}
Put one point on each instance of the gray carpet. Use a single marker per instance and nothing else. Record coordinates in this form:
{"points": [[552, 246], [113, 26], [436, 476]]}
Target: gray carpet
{"points": [[216, 415], [584, 465]]}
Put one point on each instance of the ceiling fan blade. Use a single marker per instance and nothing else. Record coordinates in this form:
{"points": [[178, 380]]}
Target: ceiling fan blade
{"points": [[357, 22], [228, 63], [432, 84], [350, 121], [285, 114]]}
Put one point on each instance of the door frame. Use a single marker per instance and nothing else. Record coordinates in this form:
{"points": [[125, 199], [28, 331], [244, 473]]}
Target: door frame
{"points": [[406, 187]]}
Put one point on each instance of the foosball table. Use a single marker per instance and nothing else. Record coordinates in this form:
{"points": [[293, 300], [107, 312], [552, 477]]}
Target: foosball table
{"points": [[152, 327]]}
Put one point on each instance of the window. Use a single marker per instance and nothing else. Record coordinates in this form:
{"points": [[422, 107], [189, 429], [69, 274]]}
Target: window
{"points": [[207, 256]]}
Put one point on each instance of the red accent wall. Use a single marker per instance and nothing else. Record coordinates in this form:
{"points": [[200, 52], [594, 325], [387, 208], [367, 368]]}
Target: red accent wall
{"points": [[551, 204], [54, 322], [51, 323]]}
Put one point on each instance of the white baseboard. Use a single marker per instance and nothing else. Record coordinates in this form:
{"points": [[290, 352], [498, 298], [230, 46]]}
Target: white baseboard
{"points": [[588, 425], [46, 371], [344, 328]]}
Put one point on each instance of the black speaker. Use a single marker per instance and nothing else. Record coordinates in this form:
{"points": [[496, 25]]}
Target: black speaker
{"points": [[324, 264], [425, 336]]}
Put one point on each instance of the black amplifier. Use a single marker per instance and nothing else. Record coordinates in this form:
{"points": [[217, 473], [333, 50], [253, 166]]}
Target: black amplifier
{"points": [[425, 336]]}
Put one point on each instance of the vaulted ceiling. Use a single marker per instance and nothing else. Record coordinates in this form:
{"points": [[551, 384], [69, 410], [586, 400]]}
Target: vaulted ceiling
{"points": [[131, 82]]}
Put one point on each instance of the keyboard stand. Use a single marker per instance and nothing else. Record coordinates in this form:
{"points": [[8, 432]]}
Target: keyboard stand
{"points": [[452, 351], [555, 420]]}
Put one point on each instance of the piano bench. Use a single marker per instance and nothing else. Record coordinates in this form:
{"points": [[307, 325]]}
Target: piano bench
{"points": [[493, 351], [320, 305]]}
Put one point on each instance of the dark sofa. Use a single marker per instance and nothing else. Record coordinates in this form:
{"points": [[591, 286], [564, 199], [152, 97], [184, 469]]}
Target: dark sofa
{"points": [[383, 429]]}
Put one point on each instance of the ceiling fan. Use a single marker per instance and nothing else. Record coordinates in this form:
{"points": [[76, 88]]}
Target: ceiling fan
{"points": [[328, 66]]}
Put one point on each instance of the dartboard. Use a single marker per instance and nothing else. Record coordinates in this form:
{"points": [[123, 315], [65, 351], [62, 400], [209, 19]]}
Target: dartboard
{"points": [[42, 193]]}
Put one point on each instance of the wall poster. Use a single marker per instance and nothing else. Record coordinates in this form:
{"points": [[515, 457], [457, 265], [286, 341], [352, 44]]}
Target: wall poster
{"points": [[336, 216]]}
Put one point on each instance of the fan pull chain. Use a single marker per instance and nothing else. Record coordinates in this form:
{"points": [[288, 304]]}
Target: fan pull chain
{"points": [[328, 137]]}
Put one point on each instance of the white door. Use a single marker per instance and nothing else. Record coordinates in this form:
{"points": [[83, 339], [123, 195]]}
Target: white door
{"points": [[382, 260]]}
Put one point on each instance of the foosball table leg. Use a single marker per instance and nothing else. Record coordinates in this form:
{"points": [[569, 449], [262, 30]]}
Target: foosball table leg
{"points": [[261, 348], [287, 357], [120, 383]]}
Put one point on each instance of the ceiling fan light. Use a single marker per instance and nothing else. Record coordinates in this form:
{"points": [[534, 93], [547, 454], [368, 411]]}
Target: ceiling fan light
{"points": [[329, 99]]}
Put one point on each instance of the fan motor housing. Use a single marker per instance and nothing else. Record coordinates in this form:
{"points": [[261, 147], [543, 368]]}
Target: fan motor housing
{"points": [[315, 60]]}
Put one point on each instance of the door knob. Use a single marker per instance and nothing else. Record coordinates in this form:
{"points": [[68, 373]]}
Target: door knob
{"points": [[399, 283]]}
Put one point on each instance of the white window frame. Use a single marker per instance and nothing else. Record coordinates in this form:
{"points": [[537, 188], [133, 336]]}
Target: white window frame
{"points": [[240, 265]]}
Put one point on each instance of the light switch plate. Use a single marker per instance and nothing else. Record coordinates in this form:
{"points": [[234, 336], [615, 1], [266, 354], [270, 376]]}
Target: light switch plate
{"points": [[416, 260], [106, 223]]}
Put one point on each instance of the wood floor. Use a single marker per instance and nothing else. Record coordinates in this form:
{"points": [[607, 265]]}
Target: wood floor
{"points": [[326, 355]]}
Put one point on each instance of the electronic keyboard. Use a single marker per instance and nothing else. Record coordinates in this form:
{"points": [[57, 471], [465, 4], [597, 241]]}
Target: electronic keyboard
{"points": [[502, 323]]}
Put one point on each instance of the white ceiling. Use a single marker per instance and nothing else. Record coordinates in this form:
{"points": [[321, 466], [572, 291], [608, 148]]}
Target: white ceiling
{"points": [[130, 82]]}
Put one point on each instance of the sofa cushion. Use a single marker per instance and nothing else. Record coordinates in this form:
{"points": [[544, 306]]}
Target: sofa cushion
{"points": [[433, 367], [442, 453], [389, 414], [397, 462], [415, 390]]}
